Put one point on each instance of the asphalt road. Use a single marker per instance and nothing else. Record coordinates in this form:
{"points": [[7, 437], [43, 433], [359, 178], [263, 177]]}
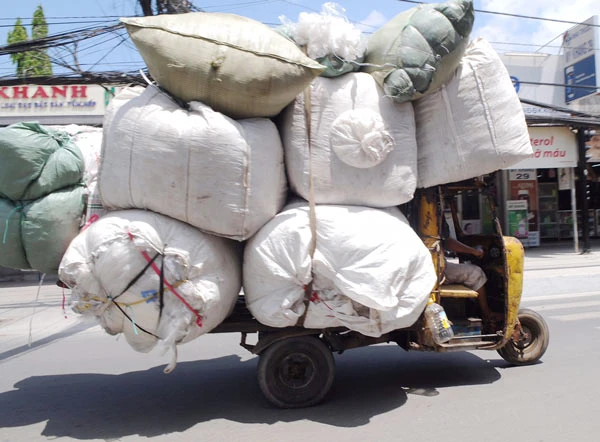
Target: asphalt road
{"points": [[63, 379]]}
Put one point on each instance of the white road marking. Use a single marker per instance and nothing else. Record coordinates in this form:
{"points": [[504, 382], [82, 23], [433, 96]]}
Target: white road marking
{"points": [[565, 305], [577, 316], [562, 296]]}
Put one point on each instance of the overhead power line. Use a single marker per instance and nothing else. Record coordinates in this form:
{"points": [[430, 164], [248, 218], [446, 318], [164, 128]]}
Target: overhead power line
{"points": [[508, 14], [57, 39]]}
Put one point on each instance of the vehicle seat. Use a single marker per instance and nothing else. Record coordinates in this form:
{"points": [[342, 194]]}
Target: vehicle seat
{"points": [[456, 291]]}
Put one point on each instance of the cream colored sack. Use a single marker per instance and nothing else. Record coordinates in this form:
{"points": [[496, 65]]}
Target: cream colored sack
{"points": [[234, 64]]}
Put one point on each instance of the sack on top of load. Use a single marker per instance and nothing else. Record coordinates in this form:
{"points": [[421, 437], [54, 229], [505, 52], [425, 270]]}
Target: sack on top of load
{"points": [[222, 176], [419, 49], [234, 64], [329, 38], [190, 287], [34, 234], [479, 117], [362, 149], [35, 161], [370, 271]]}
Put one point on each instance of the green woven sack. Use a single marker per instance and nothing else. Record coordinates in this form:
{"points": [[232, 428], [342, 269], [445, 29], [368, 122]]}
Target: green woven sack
{"points": [[419, 50], [36, 234], [35, 161]]}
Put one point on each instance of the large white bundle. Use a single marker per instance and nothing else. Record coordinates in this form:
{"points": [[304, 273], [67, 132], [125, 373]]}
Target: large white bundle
{"points": [[201, 273], [371, 271], [234, 64], [223, 176], [363, 144], [472, 126]]}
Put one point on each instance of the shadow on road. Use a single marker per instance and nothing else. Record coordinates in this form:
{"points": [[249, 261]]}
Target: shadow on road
{"points": [[369, 382]]}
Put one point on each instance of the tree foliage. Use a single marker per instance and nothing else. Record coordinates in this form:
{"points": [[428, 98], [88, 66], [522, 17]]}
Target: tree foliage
{"points": [[31, 63], [18, 35]]}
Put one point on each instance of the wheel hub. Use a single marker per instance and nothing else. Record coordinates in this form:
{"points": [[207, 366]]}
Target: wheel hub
{"points": [[297, 370]]}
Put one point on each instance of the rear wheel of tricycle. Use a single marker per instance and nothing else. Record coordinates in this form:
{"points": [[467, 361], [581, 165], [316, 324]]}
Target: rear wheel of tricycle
{"points": [[296, 372], [528, 346]]}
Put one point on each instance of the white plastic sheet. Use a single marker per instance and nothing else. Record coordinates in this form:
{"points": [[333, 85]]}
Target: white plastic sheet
{"points": [[370, 271]]}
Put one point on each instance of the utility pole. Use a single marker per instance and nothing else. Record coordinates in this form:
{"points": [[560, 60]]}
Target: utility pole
{"points": [[582, 175]]}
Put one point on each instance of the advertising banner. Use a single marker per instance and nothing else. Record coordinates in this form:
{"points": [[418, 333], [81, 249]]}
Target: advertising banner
{"points": [[523, 187], [517, 220], [553, 147]]}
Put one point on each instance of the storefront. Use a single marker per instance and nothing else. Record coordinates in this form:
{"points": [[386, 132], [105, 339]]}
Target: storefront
{"points": [[542, 188]]}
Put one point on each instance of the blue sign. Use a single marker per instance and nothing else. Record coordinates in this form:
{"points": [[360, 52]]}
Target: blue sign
{"points": [[582, 73], [516, 83]]}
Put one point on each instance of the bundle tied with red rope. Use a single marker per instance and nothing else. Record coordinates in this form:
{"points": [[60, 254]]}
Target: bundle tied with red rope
{"points": [[152, 278]]}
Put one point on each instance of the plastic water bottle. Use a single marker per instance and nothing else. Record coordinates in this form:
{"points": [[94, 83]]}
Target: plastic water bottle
{"points": [[437, 321]]}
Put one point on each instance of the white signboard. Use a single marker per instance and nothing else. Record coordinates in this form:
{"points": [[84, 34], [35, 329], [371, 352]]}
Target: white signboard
{"points": [[22, 102], [553, 147]]}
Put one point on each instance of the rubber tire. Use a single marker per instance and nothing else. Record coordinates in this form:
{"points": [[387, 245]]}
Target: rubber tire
{"points": [[296, 372], [530, 352]]}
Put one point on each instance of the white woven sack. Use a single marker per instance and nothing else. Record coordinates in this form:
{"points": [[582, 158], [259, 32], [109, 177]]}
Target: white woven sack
{"points": [[234, 64], [223, 176], [372, 273], [362, 149], [202, 275], [472, 126]]}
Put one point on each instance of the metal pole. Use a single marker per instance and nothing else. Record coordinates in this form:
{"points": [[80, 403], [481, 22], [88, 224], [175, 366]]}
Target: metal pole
{"points": [[574, 210], [582, 175]]}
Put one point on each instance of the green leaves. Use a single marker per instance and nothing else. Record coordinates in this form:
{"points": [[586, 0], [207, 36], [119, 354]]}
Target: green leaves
{"points": [[31, 63]]}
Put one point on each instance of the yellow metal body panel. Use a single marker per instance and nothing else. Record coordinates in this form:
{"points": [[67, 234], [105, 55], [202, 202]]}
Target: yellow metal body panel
{"points": [[515, 260]]}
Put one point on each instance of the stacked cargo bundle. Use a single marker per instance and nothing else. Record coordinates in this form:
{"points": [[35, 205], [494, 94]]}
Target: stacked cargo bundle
{"points": [[202, 156], [152, 278], [202, 178], [42, 192]]}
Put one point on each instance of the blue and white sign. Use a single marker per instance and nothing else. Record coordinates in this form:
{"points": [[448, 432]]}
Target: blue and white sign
{"points": [[579, 75], [581, 65]]}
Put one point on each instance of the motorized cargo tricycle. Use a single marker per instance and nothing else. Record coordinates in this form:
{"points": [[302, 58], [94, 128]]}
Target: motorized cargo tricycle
{"points": [[296, 364]]}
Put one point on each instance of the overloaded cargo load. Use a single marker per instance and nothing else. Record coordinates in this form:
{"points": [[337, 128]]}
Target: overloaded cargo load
{"points": [[234, 64], [370, 271], [196, 165], [475, 122], [362, 148], [151, 278], [329, 38], [417, 51], [89, 141], [36, 233], [36, 161]]}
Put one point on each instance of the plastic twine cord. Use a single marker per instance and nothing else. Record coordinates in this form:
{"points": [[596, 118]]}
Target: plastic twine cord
{"points": [[18, 207], [37, 297], [170, 287], [131, 312]]}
